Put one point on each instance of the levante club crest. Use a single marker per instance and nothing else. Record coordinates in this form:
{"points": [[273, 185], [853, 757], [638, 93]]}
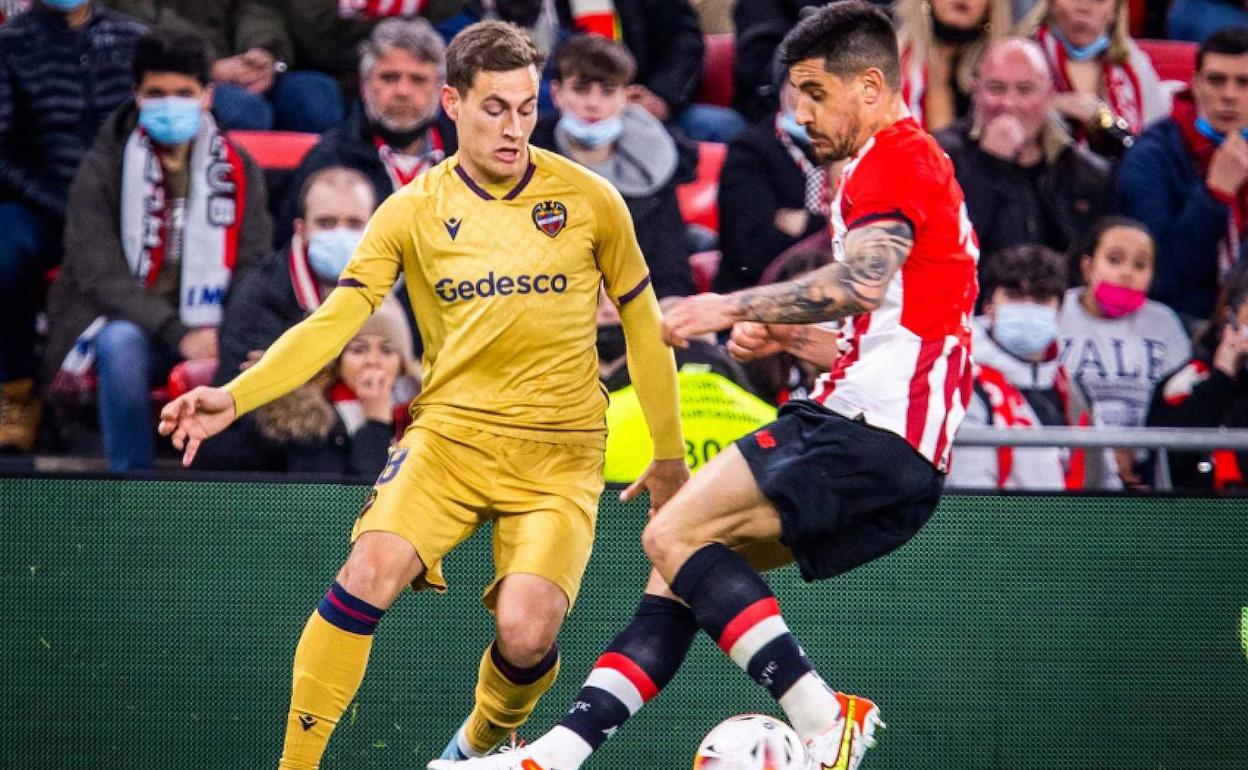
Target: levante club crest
{"points": [[550, 217]]}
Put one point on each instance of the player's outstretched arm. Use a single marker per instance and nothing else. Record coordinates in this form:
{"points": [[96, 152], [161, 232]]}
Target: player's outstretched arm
{"points": [[652, 369], [302, 351], [855, 284]]}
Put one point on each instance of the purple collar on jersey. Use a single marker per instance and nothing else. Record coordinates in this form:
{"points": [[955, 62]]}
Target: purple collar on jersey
{"points": [[476, 188]]}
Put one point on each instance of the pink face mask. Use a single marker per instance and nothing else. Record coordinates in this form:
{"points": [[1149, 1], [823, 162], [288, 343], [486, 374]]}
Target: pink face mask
{"points": [[1116, 301]]}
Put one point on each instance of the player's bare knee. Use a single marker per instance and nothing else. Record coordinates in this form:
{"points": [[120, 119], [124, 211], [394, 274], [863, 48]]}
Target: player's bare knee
{"points": [[376, 571], [523, 642], [661, 541]]}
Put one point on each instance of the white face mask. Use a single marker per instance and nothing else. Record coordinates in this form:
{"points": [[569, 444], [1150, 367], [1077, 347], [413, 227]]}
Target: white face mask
{"points": [[329, 251]]}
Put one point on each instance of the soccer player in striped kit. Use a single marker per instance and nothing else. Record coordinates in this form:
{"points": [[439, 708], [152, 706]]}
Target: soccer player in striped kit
{"points": [[837, 480]]}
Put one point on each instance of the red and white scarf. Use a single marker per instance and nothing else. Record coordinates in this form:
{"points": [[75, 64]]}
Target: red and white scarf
{"points": [[212, 226], [1009, 409], [403, 168], [310, 292], [1120, 81], [596, 17], [379, 9], [913, 83], [216, 199], [817, 198], [1184, 113]]}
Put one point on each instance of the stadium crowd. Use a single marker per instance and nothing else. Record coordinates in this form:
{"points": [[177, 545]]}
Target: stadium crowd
{"points": [[144, 249]]}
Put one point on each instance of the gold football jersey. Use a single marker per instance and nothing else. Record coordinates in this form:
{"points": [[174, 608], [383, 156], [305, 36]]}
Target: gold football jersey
{"points": [[505, 285]]}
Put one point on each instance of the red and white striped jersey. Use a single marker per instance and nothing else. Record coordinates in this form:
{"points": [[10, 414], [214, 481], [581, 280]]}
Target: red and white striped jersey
{"points": [[906, 366]]}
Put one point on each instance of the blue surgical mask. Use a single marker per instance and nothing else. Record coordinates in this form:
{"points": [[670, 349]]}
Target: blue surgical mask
{"points": [[329, 251], [65, 6], [1083, 52], [592, 135], [170, 120], [1209, 132], [1024, 328], [790, 126]]}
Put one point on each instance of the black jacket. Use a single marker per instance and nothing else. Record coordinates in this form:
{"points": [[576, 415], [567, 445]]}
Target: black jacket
{"points": [[57, 86], [1196, 395], [350, 145], [656, 219], [261, 306], [1010, 205], [1160, 184], [758, 178], [665, 39]]}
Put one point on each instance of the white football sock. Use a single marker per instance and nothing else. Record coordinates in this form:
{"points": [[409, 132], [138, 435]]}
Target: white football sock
{"points": [[465, 748], [810, 705], [560, 749]]}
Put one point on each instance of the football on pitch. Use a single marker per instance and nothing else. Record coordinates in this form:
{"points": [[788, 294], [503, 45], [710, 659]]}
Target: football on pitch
{"points": [[751, 742]]}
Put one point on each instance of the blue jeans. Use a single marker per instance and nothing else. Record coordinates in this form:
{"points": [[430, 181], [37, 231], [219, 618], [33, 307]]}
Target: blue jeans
{"points": [[128, 363], [30, 243], [298, 101], [710, 123]]}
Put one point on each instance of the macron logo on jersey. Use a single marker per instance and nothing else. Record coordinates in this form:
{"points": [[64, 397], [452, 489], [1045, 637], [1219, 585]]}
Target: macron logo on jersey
{"points": [[450, 290]]}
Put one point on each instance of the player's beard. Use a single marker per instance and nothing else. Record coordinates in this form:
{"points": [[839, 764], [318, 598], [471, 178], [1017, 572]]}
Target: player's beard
{"points": [[400, 133], [838, 148]]}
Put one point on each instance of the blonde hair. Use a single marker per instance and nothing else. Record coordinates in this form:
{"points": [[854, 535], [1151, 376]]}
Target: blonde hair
{"points": [[914, 31], [1119, 28]]}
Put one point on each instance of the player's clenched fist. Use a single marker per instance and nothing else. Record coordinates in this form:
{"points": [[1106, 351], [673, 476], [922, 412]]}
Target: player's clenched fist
{"points": [[195, 416], [751, 340], [696, 315]]}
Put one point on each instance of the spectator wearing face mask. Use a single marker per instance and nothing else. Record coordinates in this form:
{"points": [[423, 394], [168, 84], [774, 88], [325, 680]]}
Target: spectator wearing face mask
{"points": [[941, 43], [1115, 342], [162, 214], [1187, 179], [1106, 86], [773, 193], [1211, 391], [599, 128], [335, 204], [397, 130], [1019, 382]]}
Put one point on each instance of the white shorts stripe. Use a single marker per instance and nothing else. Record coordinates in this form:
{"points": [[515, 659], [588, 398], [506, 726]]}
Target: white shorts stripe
{"points": [[756, 638], [618, 685]]}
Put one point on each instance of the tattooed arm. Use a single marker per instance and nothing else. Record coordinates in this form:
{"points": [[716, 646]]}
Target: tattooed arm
{"points": [[856, 284]]}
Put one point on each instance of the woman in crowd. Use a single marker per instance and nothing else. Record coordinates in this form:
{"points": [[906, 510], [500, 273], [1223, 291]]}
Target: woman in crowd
{"points": [[343, 421], [1115, 342], [1209, 391], [1107, 87], [941, 42]]}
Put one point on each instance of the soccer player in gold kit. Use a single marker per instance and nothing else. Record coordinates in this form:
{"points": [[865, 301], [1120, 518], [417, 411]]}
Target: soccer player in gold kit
{"points": [[504, 248]]}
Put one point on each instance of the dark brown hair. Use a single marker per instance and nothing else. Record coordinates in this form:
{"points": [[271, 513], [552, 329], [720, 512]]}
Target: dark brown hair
{"points": [[594, 59], [1026, 270], [850, 36], [490, 46]]}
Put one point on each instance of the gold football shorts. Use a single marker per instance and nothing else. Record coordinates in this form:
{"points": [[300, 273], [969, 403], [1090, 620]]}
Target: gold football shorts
{"points": [[444, 480]]}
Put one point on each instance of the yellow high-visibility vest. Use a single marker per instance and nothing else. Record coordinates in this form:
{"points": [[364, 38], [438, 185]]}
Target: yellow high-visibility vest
{"points": [[714, 412]]}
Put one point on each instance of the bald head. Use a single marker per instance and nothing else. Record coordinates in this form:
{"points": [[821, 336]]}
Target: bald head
{"points": [[1017, 56], [1014, 80]]}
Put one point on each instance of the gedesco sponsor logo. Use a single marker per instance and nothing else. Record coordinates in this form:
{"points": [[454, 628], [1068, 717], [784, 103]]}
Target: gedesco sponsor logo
{"points": [[450, 290]]}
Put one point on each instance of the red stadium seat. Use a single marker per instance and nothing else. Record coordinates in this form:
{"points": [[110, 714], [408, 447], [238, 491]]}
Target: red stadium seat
{"points": [[275, 149], [705, 266], [699, 200], [1173, 59], [717, 65], [189, 375]]}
